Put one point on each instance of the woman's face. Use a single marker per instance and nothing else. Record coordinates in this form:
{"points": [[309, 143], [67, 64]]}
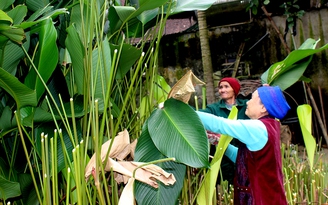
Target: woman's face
{"points": [[225, 90], [255, 107]]}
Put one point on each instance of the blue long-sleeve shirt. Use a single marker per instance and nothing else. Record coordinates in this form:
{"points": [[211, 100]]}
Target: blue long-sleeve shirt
{"points": [[252, 133]]}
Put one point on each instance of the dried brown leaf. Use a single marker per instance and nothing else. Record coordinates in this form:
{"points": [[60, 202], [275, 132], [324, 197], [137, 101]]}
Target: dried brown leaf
{"points": [[149, 174], [121, 141], [183, 89], [133, 148], [127, 196]]}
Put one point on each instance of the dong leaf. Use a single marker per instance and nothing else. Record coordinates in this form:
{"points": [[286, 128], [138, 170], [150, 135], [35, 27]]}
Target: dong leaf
{"points": [[147, 5], [6, 4], [146, 151], [23, 95], [177, 132], [18, 14], [304, 113], [8, 189], [5, 17], [118, 15], [48, 58], [207, 189], [76, 51], [285, 73], [128, 57], [192, 5]]}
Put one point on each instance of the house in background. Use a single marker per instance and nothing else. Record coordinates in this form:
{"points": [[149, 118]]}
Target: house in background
{"points": [[229, 27]]}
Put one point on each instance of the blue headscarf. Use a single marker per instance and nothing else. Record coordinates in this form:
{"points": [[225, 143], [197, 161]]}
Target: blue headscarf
{"points": [[274, 101]]}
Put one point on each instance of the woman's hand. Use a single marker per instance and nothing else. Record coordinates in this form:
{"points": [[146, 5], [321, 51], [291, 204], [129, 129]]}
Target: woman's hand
{"points": [[213, 137]]}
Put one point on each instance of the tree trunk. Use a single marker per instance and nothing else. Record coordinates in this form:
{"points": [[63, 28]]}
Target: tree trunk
{"points": [[206, 57]]}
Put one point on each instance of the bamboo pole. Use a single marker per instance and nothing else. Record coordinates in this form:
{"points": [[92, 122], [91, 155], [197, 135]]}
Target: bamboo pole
{"points": [[322, 108], [324, 131], [240, 51]]}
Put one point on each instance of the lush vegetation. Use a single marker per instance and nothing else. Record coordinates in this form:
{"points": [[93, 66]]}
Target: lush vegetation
{"points": [[79, 93]]}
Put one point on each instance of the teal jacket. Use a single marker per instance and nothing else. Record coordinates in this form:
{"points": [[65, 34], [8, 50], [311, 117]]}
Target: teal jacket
{"points": [[253, 133], [219, 109]]}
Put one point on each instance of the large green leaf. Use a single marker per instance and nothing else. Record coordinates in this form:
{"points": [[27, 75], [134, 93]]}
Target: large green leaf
{"points": [[191, 5], [146, 151], [5, 17], [147, 16], [33, 19], [118, 15], [161, 89], [28, 190], [178, 132], [5, 4], [304, 113], [48, 58], [48, 54], [12, 54], [160, 93], [6, 30], [7, 120], [135, 17], [293, 66], [23, 95], [147, 5], [18, 14], [34, 5], [207, 189], [292, 75], [101, 65], [128, 56], [14, 34], [8, 189], [76, 51]]}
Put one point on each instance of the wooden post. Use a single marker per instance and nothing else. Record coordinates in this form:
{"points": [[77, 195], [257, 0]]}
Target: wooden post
{"points": [[324, 131], [277, 30]]}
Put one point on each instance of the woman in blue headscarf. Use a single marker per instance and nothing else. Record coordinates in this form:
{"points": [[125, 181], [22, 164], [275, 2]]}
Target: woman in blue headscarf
{"points": [[258, 179]]}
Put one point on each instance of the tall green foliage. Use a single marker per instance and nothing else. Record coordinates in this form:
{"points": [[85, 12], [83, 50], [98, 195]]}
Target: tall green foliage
{"points": [[72, 75]]}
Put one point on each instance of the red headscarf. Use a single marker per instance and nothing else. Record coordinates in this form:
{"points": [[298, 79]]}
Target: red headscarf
{"points": [[233, 83]]}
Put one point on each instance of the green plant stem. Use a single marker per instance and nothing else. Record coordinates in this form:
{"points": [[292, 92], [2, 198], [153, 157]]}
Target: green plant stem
{"points": [[47, 170], [46, 88], [196, 102], [68, 189], [289, 195], [97, 140], [73, 121], [107, 101], [28, 160], [204, 97], [54, 195], [66, 119], [77, 176], [128, 95]]}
